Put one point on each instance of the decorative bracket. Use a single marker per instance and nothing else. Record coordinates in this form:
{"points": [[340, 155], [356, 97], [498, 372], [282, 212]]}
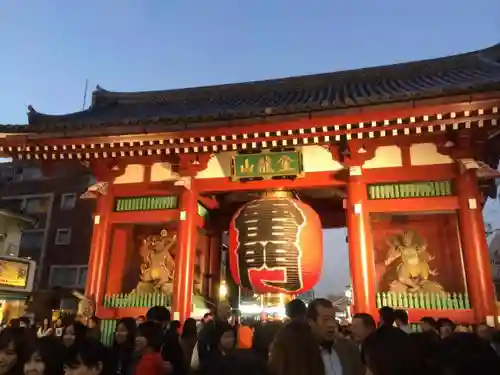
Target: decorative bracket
{"points": [[106, 171], [358, 153], [191, 164]]}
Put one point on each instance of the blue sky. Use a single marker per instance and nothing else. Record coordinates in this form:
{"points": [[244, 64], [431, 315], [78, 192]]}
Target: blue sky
{"points": [[49, 48]]}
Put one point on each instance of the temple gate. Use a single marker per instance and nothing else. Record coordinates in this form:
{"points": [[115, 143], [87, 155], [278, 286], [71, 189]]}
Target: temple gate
{"points": [[401, 155]]}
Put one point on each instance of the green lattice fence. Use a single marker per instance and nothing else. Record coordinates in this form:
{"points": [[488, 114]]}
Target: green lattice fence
{"points": [[108, 331], [438, 301], [136, 300]]}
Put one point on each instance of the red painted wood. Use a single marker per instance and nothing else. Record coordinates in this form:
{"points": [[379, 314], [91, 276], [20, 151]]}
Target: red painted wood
{"points": [[97, 234], [144, 217], [475, 248], [185, 256], [440, 172], [413, 204], [143, 189], [361, 255], [100, 253], [311, 180]]}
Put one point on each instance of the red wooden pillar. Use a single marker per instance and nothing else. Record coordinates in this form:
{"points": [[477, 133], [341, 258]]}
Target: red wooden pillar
{"points": [[96, 273], [474, 247], [361, 256], [186, 254]]}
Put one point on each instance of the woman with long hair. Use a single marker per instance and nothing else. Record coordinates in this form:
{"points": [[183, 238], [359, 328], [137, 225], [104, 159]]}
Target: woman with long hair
{"points": [[12, 351], [188, 339], [295, 351], [123, 346], [73, 334]]}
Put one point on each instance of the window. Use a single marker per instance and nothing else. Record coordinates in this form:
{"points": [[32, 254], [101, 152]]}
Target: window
{"points": [[68, 201], [63, 236], [68, 276], [31, 173], [8, 174], [36, 205], [31, 244]]}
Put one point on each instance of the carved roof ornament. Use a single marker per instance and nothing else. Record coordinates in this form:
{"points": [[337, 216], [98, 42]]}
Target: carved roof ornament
{"points": [[483, 170], [93, 191]]}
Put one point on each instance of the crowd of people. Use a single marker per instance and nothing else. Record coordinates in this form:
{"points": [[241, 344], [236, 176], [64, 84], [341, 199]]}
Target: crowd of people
{"points": [[309, 342]]}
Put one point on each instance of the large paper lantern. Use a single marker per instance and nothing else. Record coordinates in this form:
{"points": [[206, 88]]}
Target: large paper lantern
{"points": [[276, 246]]}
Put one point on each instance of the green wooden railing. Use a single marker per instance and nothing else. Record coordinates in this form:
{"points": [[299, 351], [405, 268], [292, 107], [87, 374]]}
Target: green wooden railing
{"points": [[108, 328], [136, 300], [438, 301], [168, 202]]}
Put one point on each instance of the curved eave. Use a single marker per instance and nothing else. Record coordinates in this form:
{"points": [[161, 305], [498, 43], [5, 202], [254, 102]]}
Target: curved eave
{"points": [[134, 125], [490, 54]]}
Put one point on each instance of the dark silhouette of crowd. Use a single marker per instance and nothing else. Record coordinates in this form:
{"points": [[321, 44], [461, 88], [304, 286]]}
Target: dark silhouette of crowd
{"points": [[310, 341]]}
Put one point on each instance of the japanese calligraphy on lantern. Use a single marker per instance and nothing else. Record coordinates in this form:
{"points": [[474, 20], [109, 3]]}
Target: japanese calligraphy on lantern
{"points": [[275, 246], [267, 165]]}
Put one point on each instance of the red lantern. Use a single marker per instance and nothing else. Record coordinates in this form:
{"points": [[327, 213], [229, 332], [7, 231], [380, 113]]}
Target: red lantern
{"points": [[276, 246]]}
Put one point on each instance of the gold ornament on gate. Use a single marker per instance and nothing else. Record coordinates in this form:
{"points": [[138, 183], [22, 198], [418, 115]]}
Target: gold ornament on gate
{"points": [[158, 265], [413, 270]]}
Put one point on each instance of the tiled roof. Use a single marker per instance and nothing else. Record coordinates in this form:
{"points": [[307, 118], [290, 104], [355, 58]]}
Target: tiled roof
{"points": [[460, 74]]}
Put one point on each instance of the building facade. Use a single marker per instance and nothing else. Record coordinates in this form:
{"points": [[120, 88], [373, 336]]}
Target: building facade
{"points": [[59, 239]]}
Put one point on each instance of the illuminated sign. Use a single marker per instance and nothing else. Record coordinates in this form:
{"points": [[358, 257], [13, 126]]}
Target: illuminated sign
{"points": [[16, 274]]}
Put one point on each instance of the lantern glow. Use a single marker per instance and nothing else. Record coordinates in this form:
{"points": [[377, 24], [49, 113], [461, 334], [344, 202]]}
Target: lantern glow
{"points": [[276, 246]]}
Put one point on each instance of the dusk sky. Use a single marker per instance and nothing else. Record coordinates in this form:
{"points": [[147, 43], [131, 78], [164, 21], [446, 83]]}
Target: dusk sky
{"points": [[49, 48]]}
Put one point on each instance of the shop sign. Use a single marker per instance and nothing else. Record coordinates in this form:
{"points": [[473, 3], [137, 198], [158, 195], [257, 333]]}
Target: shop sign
{"points": [[16, 274]]}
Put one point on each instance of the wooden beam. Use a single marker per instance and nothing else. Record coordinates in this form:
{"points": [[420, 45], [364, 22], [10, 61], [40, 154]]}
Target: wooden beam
{"points": [[413, 204], [311, 180]]}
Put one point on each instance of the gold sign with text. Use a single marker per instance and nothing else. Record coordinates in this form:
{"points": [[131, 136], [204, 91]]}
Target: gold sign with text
{"points": [[14, 273]]}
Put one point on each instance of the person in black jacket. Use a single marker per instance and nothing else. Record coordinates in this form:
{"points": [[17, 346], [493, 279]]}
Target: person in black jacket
{"points": [[171, 349], [207, 338], [123, 346]]}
